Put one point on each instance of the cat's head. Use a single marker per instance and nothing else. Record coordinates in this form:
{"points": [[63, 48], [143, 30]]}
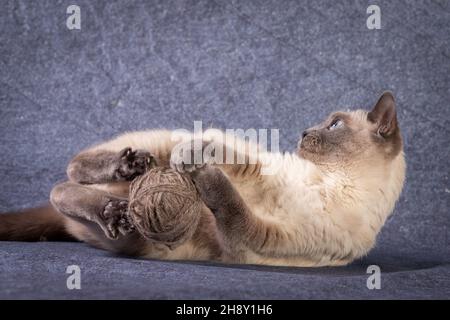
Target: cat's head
{"points": [[348, 138]]}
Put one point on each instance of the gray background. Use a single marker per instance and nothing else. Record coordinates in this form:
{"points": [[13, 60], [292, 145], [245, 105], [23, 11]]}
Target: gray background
{"points": [[232, 64]]}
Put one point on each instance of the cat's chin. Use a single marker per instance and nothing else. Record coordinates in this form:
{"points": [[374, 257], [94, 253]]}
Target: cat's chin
{"points": [[302, 153], [302, 149], [306, 154]]}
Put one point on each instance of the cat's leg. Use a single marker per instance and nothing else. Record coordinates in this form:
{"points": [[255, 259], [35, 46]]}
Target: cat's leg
{"points": [[241, 229], [124, 157], [238, 158], [86, 204], [103, 166], [100, 219]]}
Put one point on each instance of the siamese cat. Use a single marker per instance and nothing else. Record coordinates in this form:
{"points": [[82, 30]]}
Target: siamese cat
{"points": [[323, 206]]}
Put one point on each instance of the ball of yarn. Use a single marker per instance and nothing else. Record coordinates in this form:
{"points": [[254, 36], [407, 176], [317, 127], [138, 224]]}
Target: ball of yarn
{"points": [[164, 206]]}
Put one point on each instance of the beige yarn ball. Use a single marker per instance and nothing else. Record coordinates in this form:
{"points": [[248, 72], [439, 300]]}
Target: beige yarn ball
{"points": [[164, 206]]}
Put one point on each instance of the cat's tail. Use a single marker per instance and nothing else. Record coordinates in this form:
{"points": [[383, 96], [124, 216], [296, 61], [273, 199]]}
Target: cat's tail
{"points": [[37, 224]]}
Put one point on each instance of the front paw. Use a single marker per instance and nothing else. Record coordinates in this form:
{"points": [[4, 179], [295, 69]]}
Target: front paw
{"points": [[188, 157], [212, 186], [133, 163], [114, 219]]}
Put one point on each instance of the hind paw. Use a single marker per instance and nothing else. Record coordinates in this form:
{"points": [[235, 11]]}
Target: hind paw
{"points": [[115, 220]]}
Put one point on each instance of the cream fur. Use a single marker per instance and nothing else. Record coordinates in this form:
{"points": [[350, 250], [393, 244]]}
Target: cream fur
{"points": [[330, 218], [330, 215]]}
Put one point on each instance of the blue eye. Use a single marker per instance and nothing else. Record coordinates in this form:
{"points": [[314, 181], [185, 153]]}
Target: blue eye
{"points": [[336, 123]]}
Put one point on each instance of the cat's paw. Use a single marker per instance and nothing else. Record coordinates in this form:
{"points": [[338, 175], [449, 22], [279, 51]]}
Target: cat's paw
{"points": [[212, 186], [188, 157], [133, 163], [114, 219]]}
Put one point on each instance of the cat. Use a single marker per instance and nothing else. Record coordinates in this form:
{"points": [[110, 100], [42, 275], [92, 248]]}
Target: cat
{"points": [[323, 206]]}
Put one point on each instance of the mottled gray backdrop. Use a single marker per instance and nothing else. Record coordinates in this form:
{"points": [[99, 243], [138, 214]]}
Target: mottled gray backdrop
{"points": [[232, 64]]}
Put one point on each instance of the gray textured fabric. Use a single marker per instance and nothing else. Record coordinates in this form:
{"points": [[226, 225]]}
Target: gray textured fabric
{"points": [[231, 64]]}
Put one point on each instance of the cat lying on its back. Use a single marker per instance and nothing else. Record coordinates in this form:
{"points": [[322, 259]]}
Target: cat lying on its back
{"points": [[324, 205]]}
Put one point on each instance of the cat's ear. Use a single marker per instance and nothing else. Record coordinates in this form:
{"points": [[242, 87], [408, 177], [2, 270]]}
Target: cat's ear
{"points": [[384, 115]]}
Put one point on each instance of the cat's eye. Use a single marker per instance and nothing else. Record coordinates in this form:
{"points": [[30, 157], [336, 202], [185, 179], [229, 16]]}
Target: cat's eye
{"points": [[335, 124]]}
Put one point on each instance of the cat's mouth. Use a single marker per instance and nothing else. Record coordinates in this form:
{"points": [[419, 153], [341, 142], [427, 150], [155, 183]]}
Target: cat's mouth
{"points": [[310, 143]]}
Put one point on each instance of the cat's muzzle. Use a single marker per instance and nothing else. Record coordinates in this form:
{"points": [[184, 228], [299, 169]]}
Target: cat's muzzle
{"points": [[311, 142]]}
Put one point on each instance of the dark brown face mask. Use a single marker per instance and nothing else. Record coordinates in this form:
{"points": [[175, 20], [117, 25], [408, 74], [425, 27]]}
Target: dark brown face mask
{"points": [[345, 135]]}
